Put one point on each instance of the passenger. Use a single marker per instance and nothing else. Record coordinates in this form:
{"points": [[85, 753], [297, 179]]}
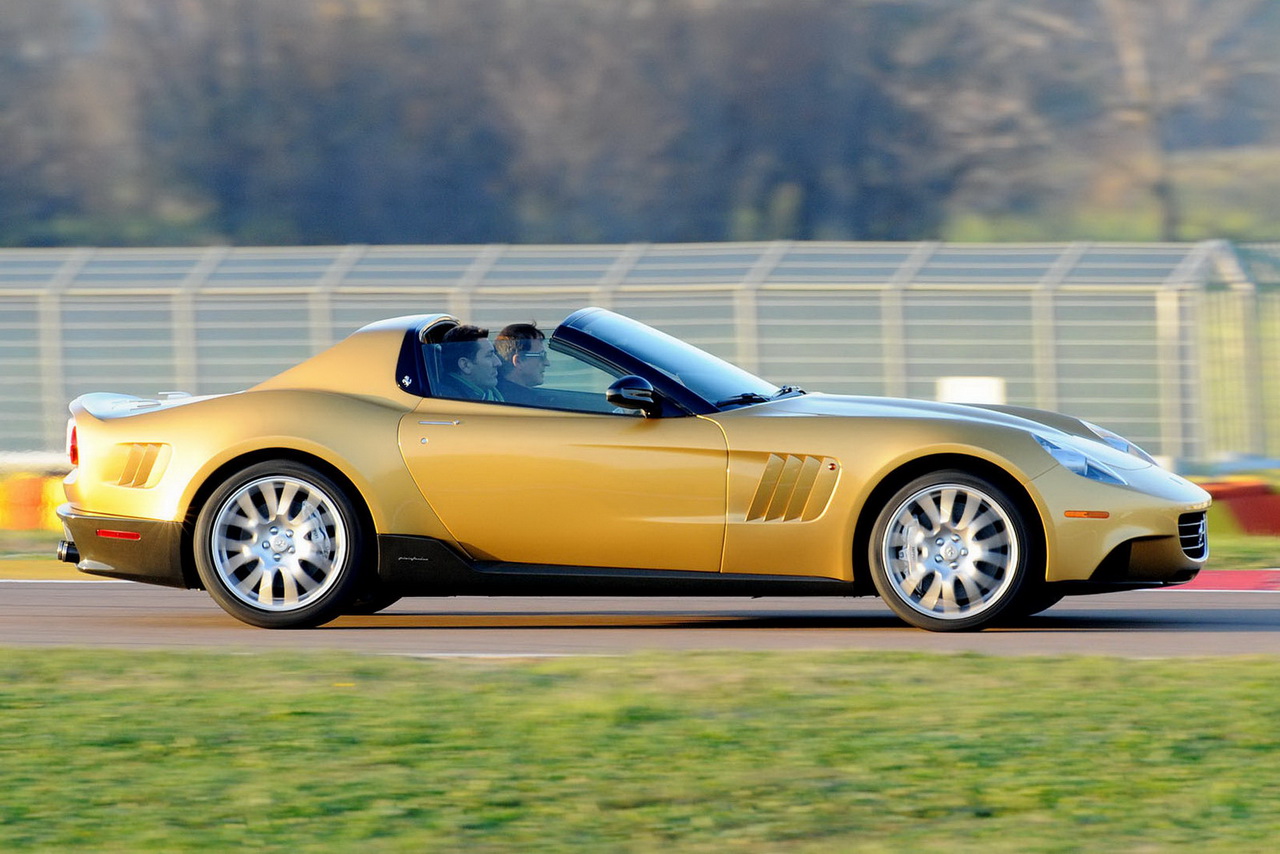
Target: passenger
{"points": [[523, 350], [470, 365]]}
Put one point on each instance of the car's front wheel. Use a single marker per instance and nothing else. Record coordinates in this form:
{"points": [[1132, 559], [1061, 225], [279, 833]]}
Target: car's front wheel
{"points": [[949, 552], [279, 545]]}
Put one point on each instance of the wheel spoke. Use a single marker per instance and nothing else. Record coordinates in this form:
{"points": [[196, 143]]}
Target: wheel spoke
{"points": [[287, 495], [306, 512], [929, 506], [946, 505], [270, 501], [238, 558], [911, 581], [250, 510], [997, 540], [971, 508], [289, 584], [266, 595], [250, 582], [929, 600], [987, 518], [973, 591], [947, 600]]}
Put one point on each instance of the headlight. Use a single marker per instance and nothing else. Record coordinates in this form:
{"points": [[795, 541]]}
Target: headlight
{"points": [[1120, 443], [1080, 463]]}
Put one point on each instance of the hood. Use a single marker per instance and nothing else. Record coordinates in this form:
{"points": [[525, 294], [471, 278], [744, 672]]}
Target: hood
{"points": [[848, 406], [1052, 425]]}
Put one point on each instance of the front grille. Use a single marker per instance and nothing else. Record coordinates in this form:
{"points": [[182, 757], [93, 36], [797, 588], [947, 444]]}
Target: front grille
{"points": [[1193, 535]]}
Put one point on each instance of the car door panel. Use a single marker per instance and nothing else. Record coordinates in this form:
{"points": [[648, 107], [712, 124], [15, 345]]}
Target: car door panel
{"points": [[575, 489]]}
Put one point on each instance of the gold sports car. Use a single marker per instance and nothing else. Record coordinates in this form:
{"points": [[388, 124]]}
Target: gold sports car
{"points": [[640, 465]]}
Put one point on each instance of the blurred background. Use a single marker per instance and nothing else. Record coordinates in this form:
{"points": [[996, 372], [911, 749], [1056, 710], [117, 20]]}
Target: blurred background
{"points": [[180, 122], [1076, 202]]}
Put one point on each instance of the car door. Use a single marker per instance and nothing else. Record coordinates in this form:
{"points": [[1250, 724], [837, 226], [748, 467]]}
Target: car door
{"points": [[569, 481]]}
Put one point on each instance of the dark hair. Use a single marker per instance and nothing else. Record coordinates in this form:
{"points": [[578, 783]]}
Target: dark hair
{"points": [[516, 338], [460, 343]]}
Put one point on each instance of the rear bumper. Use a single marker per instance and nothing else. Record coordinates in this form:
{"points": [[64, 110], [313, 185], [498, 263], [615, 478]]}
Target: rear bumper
{"points": [[144, 550]]}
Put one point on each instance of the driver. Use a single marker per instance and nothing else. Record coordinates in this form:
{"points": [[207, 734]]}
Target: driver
{"points": [[470, 365], [523, 350]]}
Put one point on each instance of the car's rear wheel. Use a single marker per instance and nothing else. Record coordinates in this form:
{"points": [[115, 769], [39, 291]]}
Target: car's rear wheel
{"points": [[280, 545], [949, 552]]}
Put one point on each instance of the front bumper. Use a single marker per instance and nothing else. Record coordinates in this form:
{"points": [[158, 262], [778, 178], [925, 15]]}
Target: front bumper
{"points": [[1149, 534], [144, 550]]}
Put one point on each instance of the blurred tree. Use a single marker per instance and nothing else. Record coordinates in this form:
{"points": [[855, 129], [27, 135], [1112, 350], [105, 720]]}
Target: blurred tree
{"points": [[1176, 59], [715, 120], [1128, 81], [383, 121], [338, 122]]}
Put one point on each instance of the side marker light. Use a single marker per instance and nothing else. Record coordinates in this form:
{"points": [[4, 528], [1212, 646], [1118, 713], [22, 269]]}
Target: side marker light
{"points": [[1087, 514], [118, 535]]}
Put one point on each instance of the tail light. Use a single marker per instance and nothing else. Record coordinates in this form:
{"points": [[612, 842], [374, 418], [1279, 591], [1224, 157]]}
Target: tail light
{"points": [[73, 443]]}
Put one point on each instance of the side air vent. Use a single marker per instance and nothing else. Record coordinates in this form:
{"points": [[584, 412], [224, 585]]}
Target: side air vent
{"points": [[1193, 535], [793, 488], [144, 463]]}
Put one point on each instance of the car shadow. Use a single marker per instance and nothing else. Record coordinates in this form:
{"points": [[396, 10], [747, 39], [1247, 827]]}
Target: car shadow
{"points": [[491, 620], [1163, 620]]}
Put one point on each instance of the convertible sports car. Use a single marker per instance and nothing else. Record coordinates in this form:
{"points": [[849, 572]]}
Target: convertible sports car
{"points": [[639, 465]]}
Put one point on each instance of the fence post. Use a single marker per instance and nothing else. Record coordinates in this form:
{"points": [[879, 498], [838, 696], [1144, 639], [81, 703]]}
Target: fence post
{"points": [[894, 333], [1244, 301], [618, 272], [747, 312], [1169, 358], [321, 303], [460, 295], [183, 334], [53, 380], [1044, 339]]}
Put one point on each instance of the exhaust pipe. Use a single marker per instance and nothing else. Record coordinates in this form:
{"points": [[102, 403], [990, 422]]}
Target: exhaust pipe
{"points": [[67, 552]]}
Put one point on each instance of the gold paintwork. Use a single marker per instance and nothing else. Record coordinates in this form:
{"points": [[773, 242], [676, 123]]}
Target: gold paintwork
{"points": [[342, 407], [579, 489], [777, 489]]}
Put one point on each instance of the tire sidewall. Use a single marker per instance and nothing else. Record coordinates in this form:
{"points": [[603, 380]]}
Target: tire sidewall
{"points": [[326, 606], [892, 596]]}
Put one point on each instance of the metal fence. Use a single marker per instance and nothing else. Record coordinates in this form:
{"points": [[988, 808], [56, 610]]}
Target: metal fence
{"points": [[1174, 345]]}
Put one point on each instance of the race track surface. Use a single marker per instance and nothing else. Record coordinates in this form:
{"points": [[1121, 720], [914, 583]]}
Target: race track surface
{"points": [[1149, 624]]}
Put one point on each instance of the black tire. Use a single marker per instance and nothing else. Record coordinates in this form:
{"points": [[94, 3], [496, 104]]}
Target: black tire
{"points": [[280, 545], [1037, 600], [371, 602], [949, 552]]}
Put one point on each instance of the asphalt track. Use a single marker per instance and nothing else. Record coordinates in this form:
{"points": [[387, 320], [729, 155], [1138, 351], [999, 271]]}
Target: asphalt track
{"points": [[1225, 613]]}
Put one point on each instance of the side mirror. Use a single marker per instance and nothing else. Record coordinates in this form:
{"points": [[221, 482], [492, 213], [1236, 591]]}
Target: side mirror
{"points": [[632, 392]]}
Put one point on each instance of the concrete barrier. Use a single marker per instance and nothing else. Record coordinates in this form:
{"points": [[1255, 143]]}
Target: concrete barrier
{"points": [[1252, 506], [28, 502]]}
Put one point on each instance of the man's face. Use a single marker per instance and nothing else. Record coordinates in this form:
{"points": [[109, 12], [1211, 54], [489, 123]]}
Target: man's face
{"points": [[483, 369], [529, 368]]}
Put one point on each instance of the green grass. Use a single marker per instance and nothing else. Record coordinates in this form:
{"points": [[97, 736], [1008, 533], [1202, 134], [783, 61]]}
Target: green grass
{"points": [[702, 752], [1240, 551], [28, 544], [1231, 193]]}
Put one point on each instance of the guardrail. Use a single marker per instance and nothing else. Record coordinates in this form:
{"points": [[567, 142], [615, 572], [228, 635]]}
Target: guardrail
{"points": [[1175, 345]]}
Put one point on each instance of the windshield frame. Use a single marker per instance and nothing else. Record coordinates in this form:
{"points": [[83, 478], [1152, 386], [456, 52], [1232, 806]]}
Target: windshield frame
{"points": [[692, 377]]}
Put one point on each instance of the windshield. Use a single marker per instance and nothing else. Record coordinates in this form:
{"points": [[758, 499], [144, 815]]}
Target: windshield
{"points": [[707, 376]]}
